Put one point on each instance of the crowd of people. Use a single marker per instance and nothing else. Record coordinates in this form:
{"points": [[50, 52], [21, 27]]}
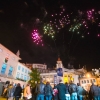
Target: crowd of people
{"points": [[43, 91]]}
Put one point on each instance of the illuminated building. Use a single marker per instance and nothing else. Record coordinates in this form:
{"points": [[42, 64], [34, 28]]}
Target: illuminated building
{"points": [[87, 79], [42, 68], [65, 74]]}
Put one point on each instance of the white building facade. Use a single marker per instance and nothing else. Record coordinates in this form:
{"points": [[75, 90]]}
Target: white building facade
{"points": [[9, 64], [65, 74], [22, 72]]}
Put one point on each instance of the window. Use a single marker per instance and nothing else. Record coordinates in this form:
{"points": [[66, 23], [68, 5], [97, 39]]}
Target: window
{"points": [[87, 81], [6, 59], [18, 74], [22, 69], [21, 76], [19, 67], [25, 77], [25, 70], [3, 69], [10, 70], [93, 80], [84, 81]]}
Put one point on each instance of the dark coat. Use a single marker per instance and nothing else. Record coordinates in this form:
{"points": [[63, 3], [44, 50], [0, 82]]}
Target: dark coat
{"points": [[61, 91], [81, 91], [18, 91], [72, 88], [94, 90], [40, 88], [48, 90]]}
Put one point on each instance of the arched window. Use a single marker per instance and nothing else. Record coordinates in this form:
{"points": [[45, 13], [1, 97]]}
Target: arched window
{"points": [[3, 69], [10, 70]]}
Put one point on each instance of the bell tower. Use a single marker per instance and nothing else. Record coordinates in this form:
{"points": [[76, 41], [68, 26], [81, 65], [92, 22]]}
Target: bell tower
{"points": [[59, 63]]}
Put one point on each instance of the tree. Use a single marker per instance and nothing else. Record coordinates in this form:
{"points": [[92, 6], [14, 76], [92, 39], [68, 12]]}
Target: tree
{"points": [[34, 77]]}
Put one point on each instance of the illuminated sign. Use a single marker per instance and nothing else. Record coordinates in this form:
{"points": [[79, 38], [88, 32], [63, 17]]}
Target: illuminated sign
{"points": [[60, 72]]}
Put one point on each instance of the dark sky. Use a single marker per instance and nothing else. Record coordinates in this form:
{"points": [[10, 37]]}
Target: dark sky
{"points": [[18, 19]]}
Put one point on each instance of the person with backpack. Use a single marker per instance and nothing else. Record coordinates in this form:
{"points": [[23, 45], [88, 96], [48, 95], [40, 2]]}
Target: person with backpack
{"points": [[48, 91], [40, 90], [73, 91]]}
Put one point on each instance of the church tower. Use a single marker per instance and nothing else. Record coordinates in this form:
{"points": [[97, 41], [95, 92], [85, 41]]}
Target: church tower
{"points": [[59, 63]]}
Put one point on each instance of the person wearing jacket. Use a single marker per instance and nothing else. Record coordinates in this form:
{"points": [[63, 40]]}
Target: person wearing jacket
{"points": [[18, 91], [27, 92], [40, 90], [95, 91], [81, 92], [48, 91], [10, 92], [67, 91], [55, 94], [73, 91], [61, 90]]}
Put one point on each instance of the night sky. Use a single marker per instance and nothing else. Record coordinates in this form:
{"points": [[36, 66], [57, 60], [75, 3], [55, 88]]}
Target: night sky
{"points": [[18, 19]]}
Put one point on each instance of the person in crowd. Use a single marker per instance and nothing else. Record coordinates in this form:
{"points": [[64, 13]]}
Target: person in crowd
{"points": [[94, 91], [5, 90], [48, 91], [1, 87], [10, 92], [61, 90], [81, 92], [99, 92], [55, 92], [27, 92], [67, 91], [33, 93], [40, 90], [73, 91], [90, 95], [18, 91]]}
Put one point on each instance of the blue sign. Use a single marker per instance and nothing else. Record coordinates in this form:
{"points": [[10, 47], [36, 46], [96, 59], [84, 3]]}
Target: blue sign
{"points": [[60, 72]]}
